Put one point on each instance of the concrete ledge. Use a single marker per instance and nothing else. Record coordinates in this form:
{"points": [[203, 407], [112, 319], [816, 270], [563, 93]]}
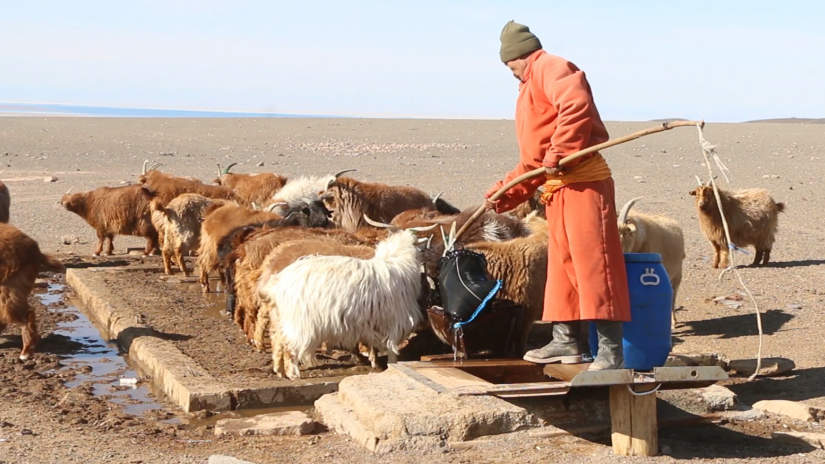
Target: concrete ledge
{"points": [[180, 377]]}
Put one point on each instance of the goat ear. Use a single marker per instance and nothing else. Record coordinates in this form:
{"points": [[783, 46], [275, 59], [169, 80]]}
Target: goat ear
{"points": [[147, 192], [692, 192], [631, 227]]}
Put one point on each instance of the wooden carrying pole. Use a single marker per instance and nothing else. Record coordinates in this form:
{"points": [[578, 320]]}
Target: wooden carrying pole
{"points": [[537, 172]]}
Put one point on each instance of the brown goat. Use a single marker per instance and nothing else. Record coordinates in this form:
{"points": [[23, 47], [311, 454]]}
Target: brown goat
{"points": [[166, 187], [521, 263], [114, 211], [251, 254], [251, 188], [219, 221], [20, 262], [288, 253], [752, 217], [350, 200], [5, 203], [490, 227]]}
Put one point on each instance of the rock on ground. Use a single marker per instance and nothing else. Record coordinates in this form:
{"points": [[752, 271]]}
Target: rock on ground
{"points": [[770, 366], [718, 398], [792, 409], [279, 423]]}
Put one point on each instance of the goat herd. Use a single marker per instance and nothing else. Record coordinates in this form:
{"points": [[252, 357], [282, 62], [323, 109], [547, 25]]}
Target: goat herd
{"points": [[334, 260]]}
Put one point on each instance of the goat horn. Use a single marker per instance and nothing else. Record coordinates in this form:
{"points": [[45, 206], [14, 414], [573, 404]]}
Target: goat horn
{"points": [[255, 206], [226, 170], [626, 209], [710, 181], [340, 173], [220, 171], [380, 224], [271, 208], [698, 181], [155, 166], [422, 228], [145, 162], [435, 198], [69, 191]]}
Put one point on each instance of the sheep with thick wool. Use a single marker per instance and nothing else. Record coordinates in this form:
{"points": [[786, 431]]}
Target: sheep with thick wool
{"points": [[644, 233], [342, 301]]}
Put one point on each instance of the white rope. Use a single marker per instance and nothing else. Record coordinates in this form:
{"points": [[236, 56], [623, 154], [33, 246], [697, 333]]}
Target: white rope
{"points": [[643, 393], [708, 151]]}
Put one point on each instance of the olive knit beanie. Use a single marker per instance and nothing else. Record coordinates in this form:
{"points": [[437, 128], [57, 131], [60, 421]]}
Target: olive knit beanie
{"points": [[516, 41]]}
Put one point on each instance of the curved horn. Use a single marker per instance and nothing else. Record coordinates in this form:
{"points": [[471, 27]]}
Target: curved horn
{"points": [[155, 166], [220, 170], [340, 173], [255, 206], [423, 228], [435, 198], [226, 170], [271, 208], [698, 181], [380, 224], [710, 181], [626, 210], [145, 162], [69, 191]]}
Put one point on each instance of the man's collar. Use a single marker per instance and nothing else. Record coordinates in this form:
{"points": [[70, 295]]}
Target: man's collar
{"points": [[530, 60]]}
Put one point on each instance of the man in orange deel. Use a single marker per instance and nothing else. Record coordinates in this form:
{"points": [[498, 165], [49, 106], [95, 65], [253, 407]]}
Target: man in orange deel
{"points": [[586, 277]]}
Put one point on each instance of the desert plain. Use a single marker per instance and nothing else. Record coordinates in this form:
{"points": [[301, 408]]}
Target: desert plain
{"points": [[41, 158]]}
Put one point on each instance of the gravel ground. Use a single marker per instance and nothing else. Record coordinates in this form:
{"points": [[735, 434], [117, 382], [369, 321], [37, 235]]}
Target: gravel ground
{"points": [[461, 158]]}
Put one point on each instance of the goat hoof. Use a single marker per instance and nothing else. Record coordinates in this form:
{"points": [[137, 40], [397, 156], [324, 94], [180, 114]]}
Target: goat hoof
{"points": [[24, 357], [95, 254]]}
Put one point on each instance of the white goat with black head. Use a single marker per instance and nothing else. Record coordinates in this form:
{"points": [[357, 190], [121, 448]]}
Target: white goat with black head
{"points": [[644, 233], [343, 301]]}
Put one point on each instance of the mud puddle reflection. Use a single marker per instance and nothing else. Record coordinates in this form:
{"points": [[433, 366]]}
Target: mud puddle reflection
{"points": [[98, 362]]}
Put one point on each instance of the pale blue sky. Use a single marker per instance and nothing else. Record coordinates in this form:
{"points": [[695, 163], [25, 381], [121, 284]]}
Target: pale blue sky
{"points": [[717, 60]]}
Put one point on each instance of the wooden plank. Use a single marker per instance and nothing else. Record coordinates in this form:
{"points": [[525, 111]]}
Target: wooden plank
{"points": [[620, 420], [468, 363], [645, 438], [451, 378], [564, 372]]}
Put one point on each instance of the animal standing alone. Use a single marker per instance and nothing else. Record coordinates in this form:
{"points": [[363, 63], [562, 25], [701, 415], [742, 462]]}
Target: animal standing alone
{"points": [[752, 216], [20, 262], [114, 211], [644, 233]]}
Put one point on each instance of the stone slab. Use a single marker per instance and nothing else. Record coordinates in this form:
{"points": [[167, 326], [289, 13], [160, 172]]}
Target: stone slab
{"points": [[391, 411], [279, 423], [770, 366], [180, 377]]}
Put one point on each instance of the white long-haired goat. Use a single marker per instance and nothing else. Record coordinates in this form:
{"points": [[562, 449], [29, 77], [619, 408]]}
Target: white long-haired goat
{"points": [[343, 301], [300, 189]]}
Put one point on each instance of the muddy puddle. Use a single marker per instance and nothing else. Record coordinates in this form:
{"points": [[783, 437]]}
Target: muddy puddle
{"points": [[98, 362]]}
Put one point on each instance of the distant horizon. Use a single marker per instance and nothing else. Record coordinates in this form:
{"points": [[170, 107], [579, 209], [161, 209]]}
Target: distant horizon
{"points": [[30, 109]]}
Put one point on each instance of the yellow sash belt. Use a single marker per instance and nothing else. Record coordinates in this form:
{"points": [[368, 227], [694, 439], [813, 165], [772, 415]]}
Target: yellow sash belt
{"points": [[590, 170]]}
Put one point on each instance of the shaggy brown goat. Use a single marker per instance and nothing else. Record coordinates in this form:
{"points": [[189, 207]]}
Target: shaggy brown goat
{"points": [[5, 202], [20, 262], [350, 200], [219, 221], [114, 211], [752, 217], [521, 264], [251, 188], [166, 187]]}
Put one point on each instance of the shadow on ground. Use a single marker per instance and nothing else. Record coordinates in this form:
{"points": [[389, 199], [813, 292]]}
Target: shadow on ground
{"points": [[800, 385], [741, 325]]}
